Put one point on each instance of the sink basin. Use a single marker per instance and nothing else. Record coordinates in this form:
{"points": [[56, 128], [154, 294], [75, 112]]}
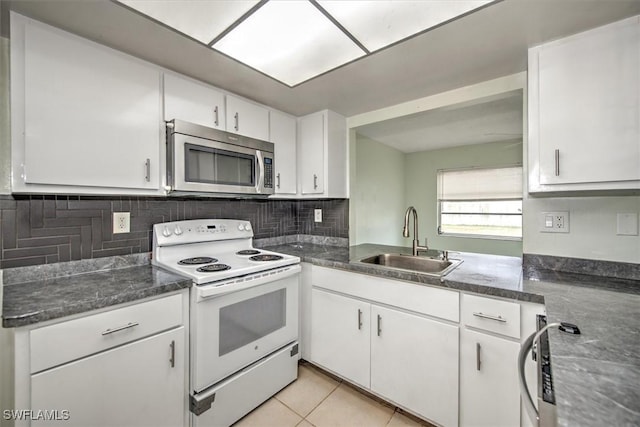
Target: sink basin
{"points": [[433, 266]]}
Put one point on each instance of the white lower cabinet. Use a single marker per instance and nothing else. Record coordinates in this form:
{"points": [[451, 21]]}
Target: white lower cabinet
{"points": [[414, 363], [122, 366], [446, 356], [410, 360], [489, 393], [138, 384], [340, 335]]}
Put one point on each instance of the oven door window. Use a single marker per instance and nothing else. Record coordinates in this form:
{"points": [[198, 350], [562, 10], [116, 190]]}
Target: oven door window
{"points": [[217, 166], [247, 321]]}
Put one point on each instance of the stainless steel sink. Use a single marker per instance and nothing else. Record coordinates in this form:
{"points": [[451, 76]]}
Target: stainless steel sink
{"points": [[433, 266]]}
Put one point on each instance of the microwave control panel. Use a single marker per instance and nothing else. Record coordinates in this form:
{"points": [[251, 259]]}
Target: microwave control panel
{"points": [[268, 172]]}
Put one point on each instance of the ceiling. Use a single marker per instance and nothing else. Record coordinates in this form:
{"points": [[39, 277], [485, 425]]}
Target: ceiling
{"points": [[489, 120], [294, 41], [483, 45]]}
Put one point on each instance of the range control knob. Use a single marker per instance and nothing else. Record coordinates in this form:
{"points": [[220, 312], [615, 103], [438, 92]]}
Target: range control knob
{"points": [[166, 232], [177, 231], [241, 227], [248, 226]]}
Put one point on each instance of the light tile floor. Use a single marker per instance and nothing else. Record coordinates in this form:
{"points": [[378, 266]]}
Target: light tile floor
{"points": [[316, 399]]}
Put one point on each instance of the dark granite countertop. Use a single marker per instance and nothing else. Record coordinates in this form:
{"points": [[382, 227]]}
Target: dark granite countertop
{"points": [[60, 295], [596, 374]]}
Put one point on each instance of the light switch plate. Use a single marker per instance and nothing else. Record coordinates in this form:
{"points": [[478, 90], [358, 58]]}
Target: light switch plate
{"points": [[554, 222], [627, 224]]}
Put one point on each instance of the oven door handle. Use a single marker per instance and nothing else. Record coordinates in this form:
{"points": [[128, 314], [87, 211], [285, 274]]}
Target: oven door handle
{"points": [[522, 380], [250, 281]]}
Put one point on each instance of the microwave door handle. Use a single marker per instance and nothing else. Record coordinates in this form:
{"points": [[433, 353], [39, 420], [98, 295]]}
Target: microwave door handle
{"points": [[260, 166]]}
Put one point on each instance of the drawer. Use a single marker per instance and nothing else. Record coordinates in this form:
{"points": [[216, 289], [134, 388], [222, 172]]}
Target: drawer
{"points": [[419, 298], [501, 317], [66, 341]]}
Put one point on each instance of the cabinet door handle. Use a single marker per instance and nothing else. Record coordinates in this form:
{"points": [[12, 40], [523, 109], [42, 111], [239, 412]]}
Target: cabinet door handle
{"points": [[359, 319], [172, 359], [490, 317], [237, 126], [557, 159], [216, 116], [120, 328], [278, 178], [147, 170], [315, 181], [379, 325], [478, 362]]}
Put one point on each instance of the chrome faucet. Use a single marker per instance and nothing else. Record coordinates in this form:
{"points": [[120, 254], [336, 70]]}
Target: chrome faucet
{"points": [[405, 231]]}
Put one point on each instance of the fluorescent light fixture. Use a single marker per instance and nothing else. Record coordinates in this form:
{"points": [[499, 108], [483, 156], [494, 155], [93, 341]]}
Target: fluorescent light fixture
{"points": [[296, 40], [292, 41], [377, 23], [202, 20]]}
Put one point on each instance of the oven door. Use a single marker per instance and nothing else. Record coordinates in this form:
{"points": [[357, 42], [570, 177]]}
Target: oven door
{"points": [[208, 166], [233, 330]]}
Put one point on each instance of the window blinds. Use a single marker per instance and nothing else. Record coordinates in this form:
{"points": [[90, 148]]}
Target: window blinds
{"points": [[480, 184]]}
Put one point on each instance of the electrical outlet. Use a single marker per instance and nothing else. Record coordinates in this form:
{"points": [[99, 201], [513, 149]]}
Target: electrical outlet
{"points": [[121, 222], [554, 222], [317, 215]]}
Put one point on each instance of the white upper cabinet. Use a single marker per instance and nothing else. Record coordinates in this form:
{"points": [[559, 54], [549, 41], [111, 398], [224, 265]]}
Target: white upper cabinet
{"points": [[283, 135], [246, 118], [85, 118], [584, 111], [322, 148], [194, 102]]}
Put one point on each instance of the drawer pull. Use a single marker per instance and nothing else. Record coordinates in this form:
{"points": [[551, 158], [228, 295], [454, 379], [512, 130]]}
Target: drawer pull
{"points": [[120, 328], [490, 317]]}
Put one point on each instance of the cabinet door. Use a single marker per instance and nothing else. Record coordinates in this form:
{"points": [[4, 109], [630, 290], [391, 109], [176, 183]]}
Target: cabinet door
{"points": [[193, 102], [133, 385], [283, 136], [489, 393], [340, 335], [246, 118], [414, 363], [588, 106], [91, 114], [311, 145]]}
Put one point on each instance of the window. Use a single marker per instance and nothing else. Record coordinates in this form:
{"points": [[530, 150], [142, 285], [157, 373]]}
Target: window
{"points": [[480, 202]]}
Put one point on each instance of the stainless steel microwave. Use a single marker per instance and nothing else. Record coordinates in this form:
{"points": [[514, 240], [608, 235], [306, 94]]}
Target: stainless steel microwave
{"points": [[206, 161]]}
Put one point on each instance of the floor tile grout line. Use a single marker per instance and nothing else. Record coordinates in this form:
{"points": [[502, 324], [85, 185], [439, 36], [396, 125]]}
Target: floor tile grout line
{"points": [[320, 403]]}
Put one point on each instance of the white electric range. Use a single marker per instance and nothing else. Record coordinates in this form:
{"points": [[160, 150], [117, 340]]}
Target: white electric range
{"points": [[243, 315]]}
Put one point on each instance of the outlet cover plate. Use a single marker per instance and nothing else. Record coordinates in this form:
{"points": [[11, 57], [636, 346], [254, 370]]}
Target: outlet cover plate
{"points": [[121, 222], [317, 215], [554, 222]]}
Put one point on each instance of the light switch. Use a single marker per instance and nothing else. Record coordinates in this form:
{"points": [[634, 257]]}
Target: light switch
{"points": [[548, 221], [627, 224]]}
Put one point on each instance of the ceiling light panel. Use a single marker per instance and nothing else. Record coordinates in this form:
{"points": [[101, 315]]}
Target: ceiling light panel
{"points": [[202, 20], [291, 41], [379, 23]]}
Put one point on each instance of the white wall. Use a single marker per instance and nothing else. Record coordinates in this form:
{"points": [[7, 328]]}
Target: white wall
{"points": [[5, 119], [592, 228], [377, 194]]}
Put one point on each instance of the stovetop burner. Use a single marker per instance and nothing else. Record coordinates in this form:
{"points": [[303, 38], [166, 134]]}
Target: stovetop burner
{"points": [[266, 257], [248, 252], [212, 268], [197, 260]]}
